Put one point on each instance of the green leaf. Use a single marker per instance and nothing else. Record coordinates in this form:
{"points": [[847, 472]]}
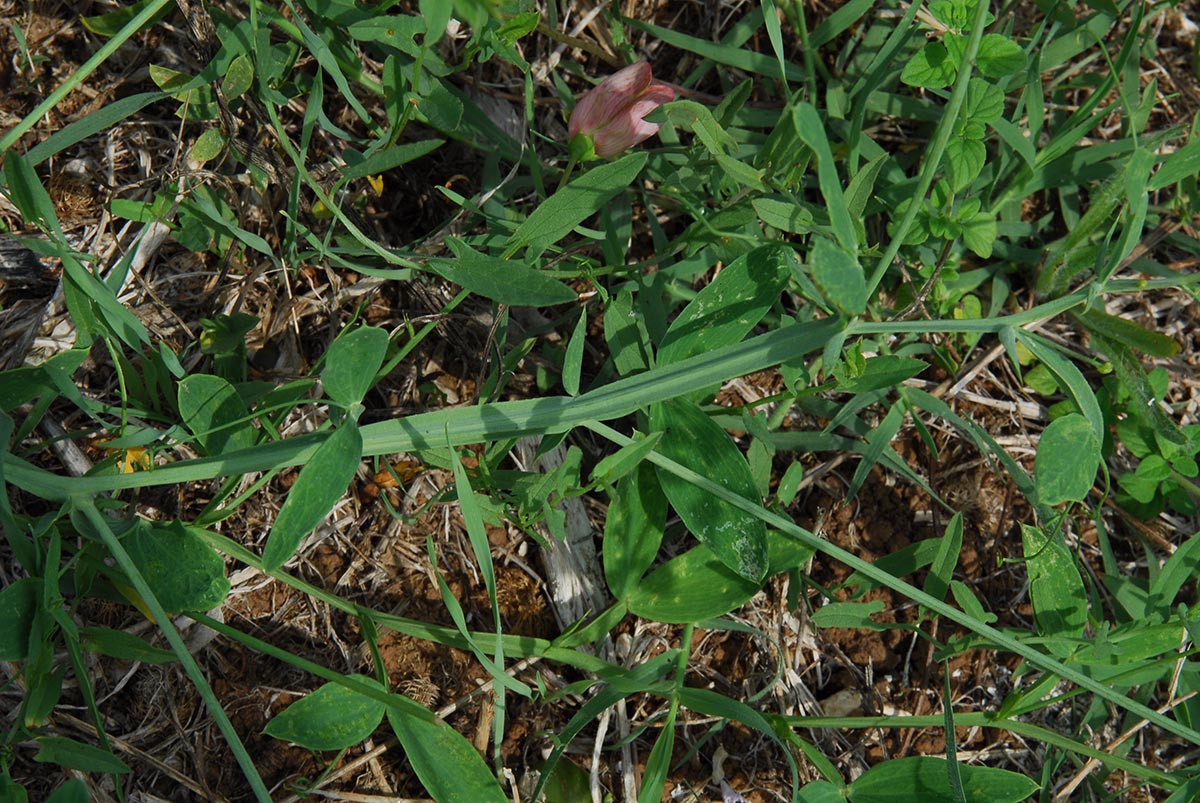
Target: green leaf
{"points": [[1069, 377], [386, 159], [617, 465], [633, 529], [18, 605], [238, 77], [1183, 163], [1068, 456], [214, 412], [811, 129], [979, 234], [820, 792], [73, 791], [1129, 333], [451, 770], [573, 359], [1055, 586], [883, 371], [985, 102], [183, 571], [77, 756], [964, 159], [574, 203], [110, 24], [693, 439], [840, 276], [331, 718], [999, 56], [942, 570], [925, 778], [122, 645], [654, 774], [208, 146], [317, 489], [504, 281], [969, 603], [696, 585], [930, 67], [352, 362], [623, 335], [782, 213], [849, 614], [727, 309]]}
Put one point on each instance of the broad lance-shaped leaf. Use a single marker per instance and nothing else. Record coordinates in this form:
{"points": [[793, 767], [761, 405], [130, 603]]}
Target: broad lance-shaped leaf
{"points": [[505, 281], [214, 412], [331, 718], [450, 768], [184, 572], [576, 202], [694, 440], [318, 488], [351, 363], [925, 778], [727, 309]]}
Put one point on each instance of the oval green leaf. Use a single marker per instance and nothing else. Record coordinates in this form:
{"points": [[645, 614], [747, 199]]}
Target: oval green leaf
{"points": [[1055, 587], [926, 779], [694, 440], [318, 488], [214, 412], [352, 362], [633, 529], [1068, 456], [184, 572], [504, 281], [451, 770], [331, 718], [77, 756], [727, 309]]}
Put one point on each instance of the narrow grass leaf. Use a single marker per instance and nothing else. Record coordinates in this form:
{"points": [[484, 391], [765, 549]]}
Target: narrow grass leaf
{"points": [[877, 442], [18, 605], [884, 371], [730, 306], [619, 463], [812, 131], [942, 570], [331, 718], [574, 203], [573, 359], [120, 644], [1068, 456], [352, 362], [317, 489], [388, 158], [730, 55], [925, 778], [970, 603], [75, 755], [1125, 331], [654, 775], [104, 118], [692, 438], [1183, 163], [504, 281], [183, 571], [1180, 568], [633, 528], [1055, 587], [448, 766]]}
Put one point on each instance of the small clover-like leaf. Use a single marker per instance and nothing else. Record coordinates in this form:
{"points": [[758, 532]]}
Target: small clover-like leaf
{"points": [[930, 67], [985, 101], [999, 56], [979, 234], [965, 159]]}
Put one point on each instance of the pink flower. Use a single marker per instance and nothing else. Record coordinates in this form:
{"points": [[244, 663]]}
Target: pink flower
{"points": [[611, 114]]}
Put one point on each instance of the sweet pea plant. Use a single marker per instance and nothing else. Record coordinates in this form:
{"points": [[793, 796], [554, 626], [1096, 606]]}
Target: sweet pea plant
{"points": [[488, 313]]}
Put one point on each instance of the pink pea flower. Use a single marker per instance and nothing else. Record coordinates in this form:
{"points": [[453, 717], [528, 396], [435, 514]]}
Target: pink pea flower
{"points": [[610, 114]]}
